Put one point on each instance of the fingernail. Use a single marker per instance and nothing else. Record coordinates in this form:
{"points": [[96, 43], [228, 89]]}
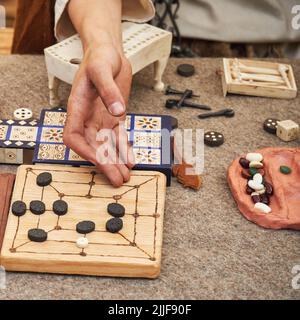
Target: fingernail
{"points": [[116, 109]]}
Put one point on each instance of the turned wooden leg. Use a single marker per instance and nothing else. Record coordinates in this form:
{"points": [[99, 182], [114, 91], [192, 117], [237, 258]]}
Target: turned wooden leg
{"points": [[53, 90], [159, 68]]}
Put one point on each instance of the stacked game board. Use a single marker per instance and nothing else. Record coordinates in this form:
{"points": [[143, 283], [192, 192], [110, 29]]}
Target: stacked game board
{"points": [[39, 237]]}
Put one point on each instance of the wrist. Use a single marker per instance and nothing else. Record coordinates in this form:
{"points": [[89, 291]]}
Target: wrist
{"points": [[98, 37]]}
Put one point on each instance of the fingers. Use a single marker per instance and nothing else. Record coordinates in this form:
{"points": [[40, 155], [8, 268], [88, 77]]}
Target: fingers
{"points": [[109, 92], [124, 147], [113, 174], [78, 144], [74, 129], [108, 158]]}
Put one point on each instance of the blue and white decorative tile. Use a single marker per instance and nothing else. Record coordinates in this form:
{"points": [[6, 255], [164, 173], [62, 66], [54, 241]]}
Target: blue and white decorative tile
{"points": [[147, 139], [147, 123], [74, 156], [3, 132], [52, 134], [51, 152], [128, 122], [23, 133], [147, 156], [54, 118]]}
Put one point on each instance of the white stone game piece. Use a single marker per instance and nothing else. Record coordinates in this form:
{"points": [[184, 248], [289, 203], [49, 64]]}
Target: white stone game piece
{"points": [[143, 45], [287, 130], [82, 242], [255, 186], [254, 157], [262, 207], [23, 114], [258, 178], [256, 164]]}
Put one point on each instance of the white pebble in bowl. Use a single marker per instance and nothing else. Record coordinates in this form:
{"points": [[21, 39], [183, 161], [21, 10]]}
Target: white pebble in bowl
{"points": [[255, 186], [262, 207], [258, 178], [256, 164], [254, 157]]}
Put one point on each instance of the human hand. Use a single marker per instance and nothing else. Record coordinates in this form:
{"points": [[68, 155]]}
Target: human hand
{"points": [[97, 101]]}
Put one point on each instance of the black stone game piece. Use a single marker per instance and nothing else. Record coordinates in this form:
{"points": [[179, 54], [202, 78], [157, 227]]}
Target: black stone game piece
{"points": [[37, 207], [85, 227], [213, 139], [18, 208], [44, 179], [186, 70], [116, 210], [37, 235], [114, 225], [60, 207]]}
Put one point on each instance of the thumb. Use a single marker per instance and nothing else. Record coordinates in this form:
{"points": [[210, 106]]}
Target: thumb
{"points": [[108, 90]]}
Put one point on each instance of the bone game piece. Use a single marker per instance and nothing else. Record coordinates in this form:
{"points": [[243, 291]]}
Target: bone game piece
{"points": [[23, 114], [283, 71], [287, 130]]}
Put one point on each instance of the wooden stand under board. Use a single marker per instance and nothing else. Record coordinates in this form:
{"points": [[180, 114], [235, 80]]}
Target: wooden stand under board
{"points": [[135, 251], [258, 78]]}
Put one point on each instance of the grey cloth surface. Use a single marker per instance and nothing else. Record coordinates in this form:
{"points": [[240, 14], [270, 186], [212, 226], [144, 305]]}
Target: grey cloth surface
{"points": [[210, 250], [258, 21]]}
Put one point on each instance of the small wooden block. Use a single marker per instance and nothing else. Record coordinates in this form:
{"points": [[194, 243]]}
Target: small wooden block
{"points": [[287, 130], [135, 251], [244, 77]]}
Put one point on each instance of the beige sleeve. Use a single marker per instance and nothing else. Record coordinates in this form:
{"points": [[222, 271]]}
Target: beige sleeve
{"points": [[132, 10]]}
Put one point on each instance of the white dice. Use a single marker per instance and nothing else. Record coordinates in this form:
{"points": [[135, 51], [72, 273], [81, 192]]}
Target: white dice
{"points": [[287, 130]]}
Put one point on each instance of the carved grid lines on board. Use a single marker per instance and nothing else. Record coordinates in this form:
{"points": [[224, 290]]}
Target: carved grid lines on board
{"points": [[116, 198]]}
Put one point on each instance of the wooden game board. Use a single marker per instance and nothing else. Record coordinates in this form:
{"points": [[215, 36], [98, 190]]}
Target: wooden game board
{"points": [[133, 252]]}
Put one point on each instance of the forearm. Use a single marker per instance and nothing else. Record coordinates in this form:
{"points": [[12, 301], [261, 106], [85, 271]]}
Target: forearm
{"points": [[97, 21]]}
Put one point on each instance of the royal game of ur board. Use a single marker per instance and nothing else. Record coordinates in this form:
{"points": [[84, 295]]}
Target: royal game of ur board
{"points": [[44, 241]]}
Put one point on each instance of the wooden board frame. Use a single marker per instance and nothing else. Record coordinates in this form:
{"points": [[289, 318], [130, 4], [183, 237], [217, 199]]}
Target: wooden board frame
{"points": [[230, 86], [133, 252]]}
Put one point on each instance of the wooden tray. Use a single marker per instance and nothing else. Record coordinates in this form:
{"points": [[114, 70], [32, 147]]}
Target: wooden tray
{"points": [[237, 74], [133, 252]]}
